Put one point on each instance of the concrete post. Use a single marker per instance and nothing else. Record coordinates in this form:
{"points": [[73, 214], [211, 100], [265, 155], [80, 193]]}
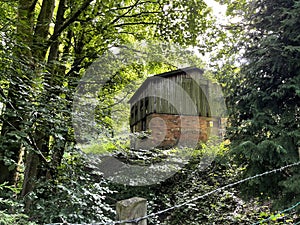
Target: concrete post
{"points": [[131, 209]]}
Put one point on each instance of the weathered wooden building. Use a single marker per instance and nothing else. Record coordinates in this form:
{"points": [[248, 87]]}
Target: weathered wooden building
{"points": [[179, 108]]}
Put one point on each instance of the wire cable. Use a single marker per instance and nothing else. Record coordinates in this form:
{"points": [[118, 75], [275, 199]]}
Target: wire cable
{"points": [[283, 211], [191, 200]]}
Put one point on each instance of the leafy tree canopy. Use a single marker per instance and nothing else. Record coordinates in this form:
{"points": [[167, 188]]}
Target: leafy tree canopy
{"points": [[46, 47]]}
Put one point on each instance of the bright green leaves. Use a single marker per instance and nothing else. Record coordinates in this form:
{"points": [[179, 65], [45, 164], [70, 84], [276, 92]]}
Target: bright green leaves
{"points": [[44, 51], [190, 19]]}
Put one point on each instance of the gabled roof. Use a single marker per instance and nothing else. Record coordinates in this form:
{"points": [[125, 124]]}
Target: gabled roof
{"points": [[164, 75], [178, 72]]}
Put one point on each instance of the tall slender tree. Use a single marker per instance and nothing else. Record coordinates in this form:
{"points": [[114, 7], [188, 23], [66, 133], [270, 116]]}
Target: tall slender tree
{"points": [[54, 41], [265, 106]]}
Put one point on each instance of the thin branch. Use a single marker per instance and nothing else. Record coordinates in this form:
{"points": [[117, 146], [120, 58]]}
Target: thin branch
{"points": [[130, 33], [70, 20], [116, 103], [135, 23], [131, 49], [142, 13], [117, 110], [130, 6], [122, 15], [29, 140]]}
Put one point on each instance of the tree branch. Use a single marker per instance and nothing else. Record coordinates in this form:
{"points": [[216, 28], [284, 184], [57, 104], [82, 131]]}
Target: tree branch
{"points": [[70, 20], [130, 6], [116, 103], [137, 23], [29, 140], [131, 49], [32, 6], [122, 15], [142, 13], [59, 22]]}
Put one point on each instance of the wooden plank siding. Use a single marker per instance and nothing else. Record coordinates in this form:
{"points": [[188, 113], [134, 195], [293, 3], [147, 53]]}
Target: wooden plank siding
{"points": [[181, 107], [182, 103], [183, 94]]}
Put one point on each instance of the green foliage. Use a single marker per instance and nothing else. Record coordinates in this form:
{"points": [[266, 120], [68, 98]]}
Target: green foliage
{"points": [[77, 195], [213, 147], [264, 107], [43, 56], [10, 208], [121, 73], [107, 145], [195, 179], [99, 148], [9, 219]]}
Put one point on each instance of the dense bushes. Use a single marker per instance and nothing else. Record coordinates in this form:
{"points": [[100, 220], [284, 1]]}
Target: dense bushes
{"points": [[10, 209], [77, 195], [225, 207]]}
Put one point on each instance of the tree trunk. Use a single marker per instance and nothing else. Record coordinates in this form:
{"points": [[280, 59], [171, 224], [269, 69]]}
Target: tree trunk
{"points": [[14, 112], [33, 164]]}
